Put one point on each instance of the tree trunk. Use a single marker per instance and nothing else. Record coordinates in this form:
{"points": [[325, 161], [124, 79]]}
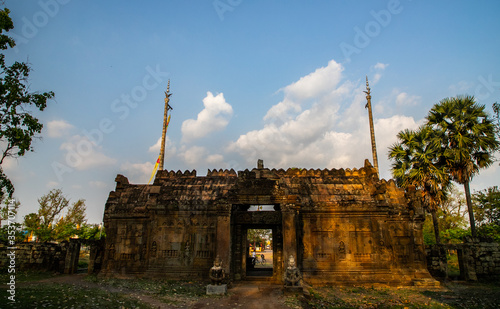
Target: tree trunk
{"points": [[436, 226], [469, 208]]}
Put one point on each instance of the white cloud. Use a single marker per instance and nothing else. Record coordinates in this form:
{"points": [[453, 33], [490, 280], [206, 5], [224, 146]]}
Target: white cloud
{"points": [[194, 156], [319, 83], [215, 160], [332, 132], [404, 98], [83, 154], [316, 83], [58, 128], [169, 146], [214, 117], [381, 66], [138, 172]]}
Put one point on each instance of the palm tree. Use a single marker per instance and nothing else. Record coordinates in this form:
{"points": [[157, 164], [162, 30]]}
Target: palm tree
{"points": [[416, 164], [467, 137]]}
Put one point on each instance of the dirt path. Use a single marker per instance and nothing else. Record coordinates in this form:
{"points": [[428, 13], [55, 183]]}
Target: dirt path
{"points": [[241, 295], [247, 295]]}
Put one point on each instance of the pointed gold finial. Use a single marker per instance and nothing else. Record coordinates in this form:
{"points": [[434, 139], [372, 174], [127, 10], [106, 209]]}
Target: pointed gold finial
{"points": [[165, 125], [368, 95]]}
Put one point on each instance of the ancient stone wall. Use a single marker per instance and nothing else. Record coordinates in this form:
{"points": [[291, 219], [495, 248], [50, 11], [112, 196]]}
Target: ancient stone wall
{"points": [[58, 257], [477, 259], [342, 226]]}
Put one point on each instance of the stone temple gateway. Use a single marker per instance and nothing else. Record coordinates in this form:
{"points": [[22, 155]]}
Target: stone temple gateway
{"points": [[342, 226]]}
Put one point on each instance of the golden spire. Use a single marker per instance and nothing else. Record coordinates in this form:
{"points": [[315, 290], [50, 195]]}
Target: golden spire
{"points": [[165, 124], [372, 129]]}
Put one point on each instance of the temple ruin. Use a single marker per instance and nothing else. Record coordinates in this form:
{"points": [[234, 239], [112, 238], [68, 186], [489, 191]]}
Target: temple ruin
{"points": [[340, 226], [343, 226]]}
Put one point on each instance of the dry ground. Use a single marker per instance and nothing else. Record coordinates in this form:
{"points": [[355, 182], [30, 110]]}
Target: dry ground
{"points": [[152, 294]]}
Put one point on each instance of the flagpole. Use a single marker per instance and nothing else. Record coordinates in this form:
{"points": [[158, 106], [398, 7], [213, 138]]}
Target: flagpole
{"points": [[372, 129], [165, 125]]}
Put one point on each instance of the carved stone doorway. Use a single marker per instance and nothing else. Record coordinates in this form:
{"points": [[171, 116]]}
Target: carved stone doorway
{"points": [[244, 219]]}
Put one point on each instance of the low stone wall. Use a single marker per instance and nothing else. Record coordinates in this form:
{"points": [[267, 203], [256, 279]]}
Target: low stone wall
{"points": [[477, 259], [58, 257], [436, 260]]}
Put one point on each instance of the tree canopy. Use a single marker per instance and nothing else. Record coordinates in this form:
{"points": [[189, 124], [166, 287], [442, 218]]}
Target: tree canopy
{"points": [[457, 141], [415, 164], [50, 223], [18, 126], [487, 210], [468, 140]]}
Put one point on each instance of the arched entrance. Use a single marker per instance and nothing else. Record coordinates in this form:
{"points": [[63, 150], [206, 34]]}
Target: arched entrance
{"points": [[245, 218]]}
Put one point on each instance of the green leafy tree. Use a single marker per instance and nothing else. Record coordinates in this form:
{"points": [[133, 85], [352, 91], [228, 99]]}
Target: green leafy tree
{"points": [[487, 205], [17, 125], [452, 219], [258, 236], [11, 231], [496, 116], [415, 165], [49, 223], [91, 231], [467, 138], [70, 224], [487, 211]]}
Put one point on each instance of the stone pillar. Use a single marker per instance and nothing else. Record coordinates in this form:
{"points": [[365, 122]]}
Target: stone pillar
{"points": [[223, 247], [289, 224], [96, 256], [72, 255]]}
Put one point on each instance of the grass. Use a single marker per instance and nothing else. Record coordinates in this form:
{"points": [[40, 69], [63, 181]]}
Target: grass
{"points": [[25, 276], [53, 295], [168, 291], [453, 295], [117, 293]]}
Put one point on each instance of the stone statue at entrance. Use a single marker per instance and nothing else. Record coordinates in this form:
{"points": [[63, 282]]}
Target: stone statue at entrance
{"points": [[292, 276], [217, 276], [217, 272]]}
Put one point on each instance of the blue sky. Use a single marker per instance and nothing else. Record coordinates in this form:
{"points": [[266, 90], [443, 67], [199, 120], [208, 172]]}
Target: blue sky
{"points": [[278, 81]]}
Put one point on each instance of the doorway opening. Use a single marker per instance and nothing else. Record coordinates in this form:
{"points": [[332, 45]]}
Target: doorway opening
{"points": [[259, 257]]}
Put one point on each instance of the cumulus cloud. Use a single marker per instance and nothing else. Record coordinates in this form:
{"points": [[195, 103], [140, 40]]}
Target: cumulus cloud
{"points": [[82, 154], [215, 160], [214, 117], [316, 84], [404, 98], [137, 172], [169, 146], [381, 66], [332, 131], [58, 128], [194, 156]]}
